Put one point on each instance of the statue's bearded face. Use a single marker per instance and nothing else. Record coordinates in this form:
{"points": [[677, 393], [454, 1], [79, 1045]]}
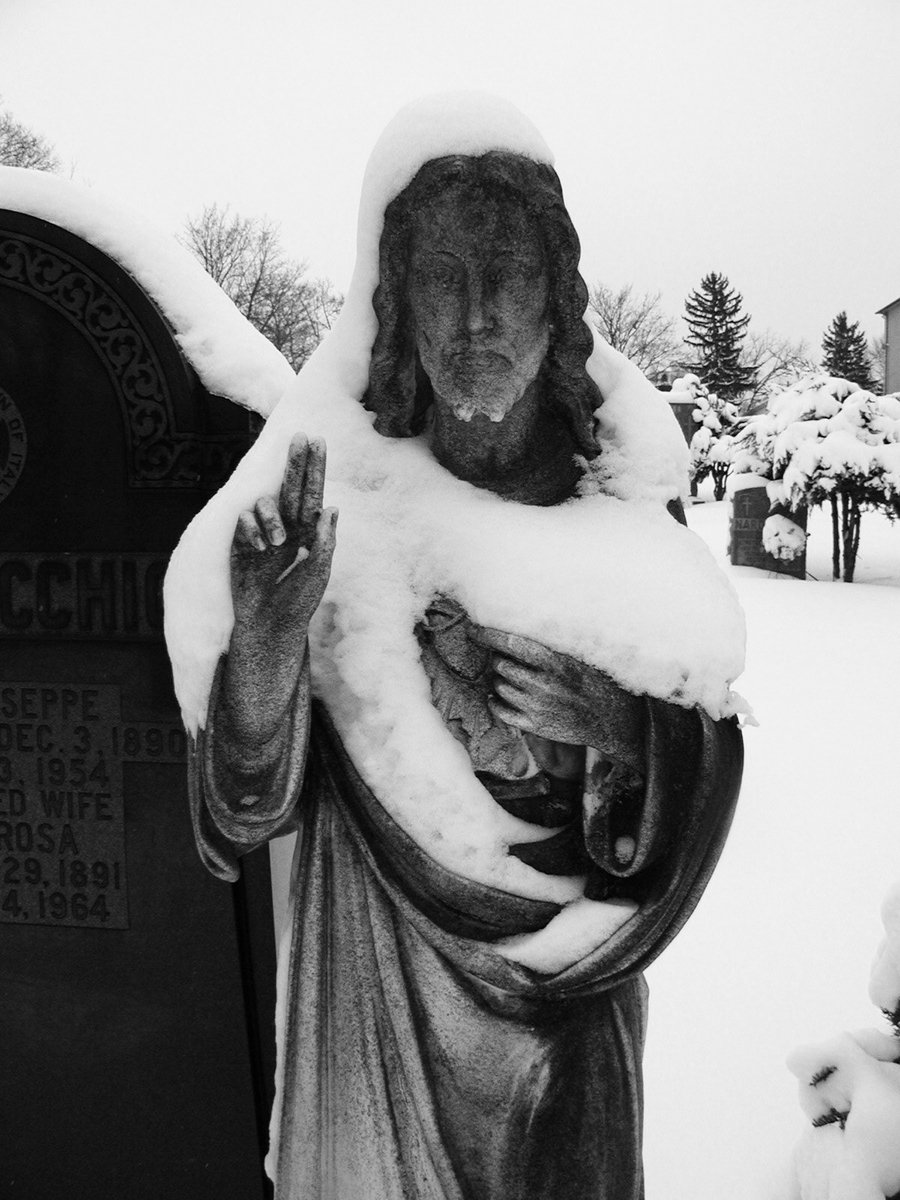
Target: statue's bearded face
{"points": [[478, 291]]}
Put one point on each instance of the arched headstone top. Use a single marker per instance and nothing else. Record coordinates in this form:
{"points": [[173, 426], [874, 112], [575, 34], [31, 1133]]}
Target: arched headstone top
{"points": [[97, 389], [125, 330], [231, 358]]}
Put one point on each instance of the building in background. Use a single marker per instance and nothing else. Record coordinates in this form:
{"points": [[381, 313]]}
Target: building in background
{"points": [[891, 314]]}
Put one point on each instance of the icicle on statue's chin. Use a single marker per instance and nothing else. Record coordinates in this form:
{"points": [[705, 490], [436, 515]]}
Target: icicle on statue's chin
{"points": [[494, 407]]}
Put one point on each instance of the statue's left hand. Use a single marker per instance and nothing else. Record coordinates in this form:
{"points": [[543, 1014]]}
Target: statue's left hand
{"points": [[562, 699]]}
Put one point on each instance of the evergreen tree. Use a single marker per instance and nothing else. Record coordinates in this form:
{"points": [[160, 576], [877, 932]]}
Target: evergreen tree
{"points": [[713, 314], [846, 353]]}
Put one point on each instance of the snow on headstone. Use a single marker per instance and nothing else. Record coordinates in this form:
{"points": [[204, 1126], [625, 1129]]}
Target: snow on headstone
{"points": [[783, 538], [231, 358]]}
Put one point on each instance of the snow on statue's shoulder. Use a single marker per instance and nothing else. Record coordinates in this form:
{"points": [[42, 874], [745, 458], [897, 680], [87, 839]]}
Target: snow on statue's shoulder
{"points": [[231, 358], [644, 455]]}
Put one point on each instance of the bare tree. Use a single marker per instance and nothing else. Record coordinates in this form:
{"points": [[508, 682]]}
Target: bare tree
{"points": [[777, 362], [636, 325], [321, 305], [21, 147], [877, 351], [245, 257]]}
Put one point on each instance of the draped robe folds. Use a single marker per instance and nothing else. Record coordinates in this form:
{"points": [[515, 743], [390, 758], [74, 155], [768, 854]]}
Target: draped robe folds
{"points": [[416, 1062]]}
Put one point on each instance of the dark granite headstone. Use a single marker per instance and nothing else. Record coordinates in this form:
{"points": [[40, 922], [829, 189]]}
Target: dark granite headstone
{"points": [[750, 508], [135, 1060], [684, 415]]}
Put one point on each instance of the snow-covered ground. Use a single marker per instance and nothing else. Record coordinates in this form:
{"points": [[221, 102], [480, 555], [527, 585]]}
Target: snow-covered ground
{"points": [[779, 951]]}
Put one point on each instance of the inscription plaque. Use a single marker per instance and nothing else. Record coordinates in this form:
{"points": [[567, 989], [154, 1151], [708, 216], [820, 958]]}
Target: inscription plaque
{"points": [[62, 819], [82, 595]]}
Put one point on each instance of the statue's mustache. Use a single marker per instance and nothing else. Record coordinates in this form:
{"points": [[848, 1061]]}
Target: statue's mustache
{"points": [[479, 355]]}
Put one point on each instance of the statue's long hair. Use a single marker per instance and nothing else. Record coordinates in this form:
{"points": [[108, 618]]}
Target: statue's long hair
{"points": [[399, 392]]}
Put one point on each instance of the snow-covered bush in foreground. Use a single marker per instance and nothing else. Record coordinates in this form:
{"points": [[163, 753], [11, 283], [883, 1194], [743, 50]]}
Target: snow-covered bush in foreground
{"points": [[850, 1090], [825, 440], [711, 444]]}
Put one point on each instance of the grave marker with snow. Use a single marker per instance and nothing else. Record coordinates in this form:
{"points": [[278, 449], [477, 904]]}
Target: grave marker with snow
{"points": [[750, 508], [132, 981]]}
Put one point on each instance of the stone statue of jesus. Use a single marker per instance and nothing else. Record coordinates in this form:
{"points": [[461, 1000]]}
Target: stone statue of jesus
{"points": [[419, 1058]]}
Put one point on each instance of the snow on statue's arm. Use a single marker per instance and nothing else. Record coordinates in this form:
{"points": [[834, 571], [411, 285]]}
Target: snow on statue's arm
{"points": [[247, 764]]}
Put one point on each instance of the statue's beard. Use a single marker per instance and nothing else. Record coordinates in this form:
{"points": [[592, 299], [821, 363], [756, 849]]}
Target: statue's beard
{"points": [[474, 381]]}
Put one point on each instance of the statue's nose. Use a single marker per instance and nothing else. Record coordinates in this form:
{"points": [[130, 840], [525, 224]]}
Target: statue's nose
{"points": [[479, 316]]}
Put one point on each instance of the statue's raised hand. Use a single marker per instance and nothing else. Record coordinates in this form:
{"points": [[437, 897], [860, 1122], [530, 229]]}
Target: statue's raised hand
{"points": [[282, 547], [280, 562]]}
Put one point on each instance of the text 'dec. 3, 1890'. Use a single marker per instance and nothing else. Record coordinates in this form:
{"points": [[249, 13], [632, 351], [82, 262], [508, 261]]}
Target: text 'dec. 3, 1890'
{"points": [[62, 813]]}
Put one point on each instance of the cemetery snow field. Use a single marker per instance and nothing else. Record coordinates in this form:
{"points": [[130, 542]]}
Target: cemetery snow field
{"points": [[779, 951]]}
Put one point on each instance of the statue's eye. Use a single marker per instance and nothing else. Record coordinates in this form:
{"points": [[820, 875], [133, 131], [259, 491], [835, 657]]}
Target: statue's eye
{"points": [[509, 274], [445, 278]]}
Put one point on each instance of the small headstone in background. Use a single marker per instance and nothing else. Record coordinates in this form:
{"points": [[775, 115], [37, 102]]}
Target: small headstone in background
{"points": [[750, 509]]}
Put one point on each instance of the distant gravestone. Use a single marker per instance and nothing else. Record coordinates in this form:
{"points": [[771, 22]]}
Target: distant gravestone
{"points": [[750, 508], [684, 415], [134, 1060]]}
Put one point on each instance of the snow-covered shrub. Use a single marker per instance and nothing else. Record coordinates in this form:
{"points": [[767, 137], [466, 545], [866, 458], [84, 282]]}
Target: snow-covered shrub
{"points": [[712, 443], [825, 440], [850, 1090]]}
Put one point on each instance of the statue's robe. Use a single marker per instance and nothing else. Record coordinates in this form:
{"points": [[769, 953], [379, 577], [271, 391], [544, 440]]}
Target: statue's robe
{"points": [[416, 1061]]}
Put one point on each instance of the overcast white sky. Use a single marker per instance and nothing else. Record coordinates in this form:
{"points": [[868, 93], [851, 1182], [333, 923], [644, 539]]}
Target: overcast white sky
{"points": [[758, 138]]}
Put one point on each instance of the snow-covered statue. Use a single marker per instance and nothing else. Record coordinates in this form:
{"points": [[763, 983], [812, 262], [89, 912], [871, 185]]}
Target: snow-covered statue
{"points": [[494, 702]]}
